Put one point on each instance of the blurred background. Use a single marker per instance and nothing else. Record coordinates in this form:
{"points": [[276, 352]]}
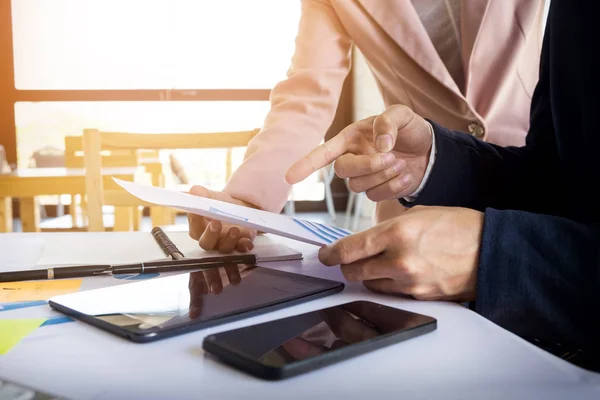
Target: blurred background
{"points": [[157, 66]]}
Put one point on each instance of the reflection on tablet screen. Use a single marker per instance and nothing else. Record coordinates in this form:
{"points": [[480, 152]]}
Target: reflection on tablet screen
{"points": [[181, 299]]}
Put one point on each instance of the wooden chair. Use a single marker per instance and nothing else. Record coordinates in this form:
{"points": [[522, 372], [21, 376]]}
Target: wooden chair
{"points": [[4, 166], [95, 142], [49, 157], [116, 159]]}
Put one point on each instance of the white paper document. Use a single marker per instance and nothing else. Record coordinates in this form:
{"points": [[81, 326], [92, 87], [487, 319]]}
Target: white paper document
{"points": [[64, 248], [19, 252], [278, 224], [265, 248]]}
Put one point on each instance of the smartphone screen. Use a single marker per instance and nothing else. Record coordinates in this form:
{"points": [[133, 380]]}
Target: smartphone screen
{"points": [[284, 342]]}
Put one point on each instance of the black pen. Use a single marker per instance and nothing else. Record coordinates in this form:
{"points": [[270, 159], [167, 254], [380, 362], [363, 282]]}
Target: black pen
{"points": [[185, 264]]}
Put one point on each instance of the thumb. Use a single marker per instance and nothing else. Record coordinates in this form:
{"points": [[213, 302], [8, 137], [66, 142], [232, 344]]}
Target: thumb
{"points": [[388, 125], [355, 247], [201, 191]]}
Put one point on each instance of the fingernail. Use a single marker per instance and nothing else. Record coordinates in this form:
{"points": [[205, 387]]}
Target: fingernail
{"points": [[405, 180], [250, 246], [399, 165], [214, 227], [388, 158], [384, 143]]}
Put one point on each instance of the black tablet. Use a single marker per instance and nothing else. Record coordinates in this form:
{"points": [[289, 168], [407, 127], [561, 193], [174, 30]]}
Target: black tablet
{"points": [[162, 307]]}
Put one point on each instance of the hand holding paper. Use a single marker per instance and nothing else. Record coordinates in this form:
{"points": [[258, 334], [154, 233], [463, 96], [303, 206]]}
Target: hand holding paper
{"points": [[213, 235], [278, 224]]}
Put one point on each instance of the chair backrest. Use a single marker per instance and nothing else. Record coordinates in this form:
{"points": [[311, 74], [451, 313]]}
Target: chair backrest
{"points": [[95, 142], [115, 158]]}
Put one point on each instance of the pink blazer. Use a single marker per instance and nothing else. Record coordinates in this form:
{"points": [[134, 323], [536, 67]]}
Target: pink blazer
{"points": [[501, 44]]}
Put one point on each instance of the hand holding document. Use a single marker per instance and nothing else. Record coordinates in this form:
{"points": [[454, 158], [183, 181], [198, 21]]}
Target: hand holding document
{"points": [[278, 224]]}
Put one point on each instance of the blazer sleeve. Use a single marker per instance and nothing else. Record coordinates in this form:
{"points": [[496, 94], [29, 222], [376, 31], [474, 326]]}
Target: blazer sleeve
{"points": [[302, 108], [539, 277], [471, 173]]}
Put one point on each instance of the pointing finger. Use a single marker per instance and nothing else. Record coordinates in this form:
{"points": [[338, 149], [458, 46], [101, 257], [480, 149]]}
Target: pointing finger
{"points": [[328, 152], [316, 159]]}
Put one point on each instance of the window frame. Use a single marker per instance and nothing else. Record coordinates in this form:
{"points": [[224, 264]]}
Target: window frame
{"points": [[11, 95]]}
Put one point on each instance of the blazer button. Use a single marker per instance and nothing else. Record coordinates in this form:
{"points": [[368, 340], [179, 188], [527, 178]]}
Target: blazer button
{"points": [[476, 130]]}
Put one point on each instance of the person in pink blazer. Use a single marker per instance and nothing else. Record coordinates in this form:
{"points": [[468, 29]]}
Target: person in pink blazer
{"points": [[471, 65]]}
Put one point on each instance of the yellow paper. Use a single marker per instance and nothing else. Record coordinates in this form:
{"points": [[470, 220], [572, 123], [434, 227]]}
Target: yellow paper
{"points": [[36, 290], [12, 331]]}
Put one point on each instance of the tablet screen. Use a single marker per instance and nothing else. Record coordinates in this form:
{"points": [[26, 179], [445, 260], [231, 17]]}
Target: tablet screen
{"points": [[175, 301]]}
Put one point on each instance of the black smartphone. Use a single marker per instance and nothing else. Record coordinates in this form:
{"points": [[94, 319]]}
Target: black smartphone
{"points": [[290, 346]]}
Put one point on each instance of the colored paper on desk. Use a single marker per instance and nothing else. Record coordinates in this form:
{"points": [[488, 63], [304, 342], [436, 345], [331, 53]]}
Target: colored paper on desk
{"points": [[21, 304], [278, 224], [36, 290], [12, 331], [57, 321]]}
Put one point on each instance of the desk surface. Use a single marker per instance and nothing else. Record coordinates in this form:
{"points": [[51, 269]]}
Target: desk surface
{"points": [[467, 357]]}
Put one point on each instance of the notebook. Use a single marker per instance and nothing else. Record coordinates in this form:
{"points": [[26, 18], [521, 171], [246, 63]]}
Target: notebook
{"points": [[144, 245], [265, 248]]}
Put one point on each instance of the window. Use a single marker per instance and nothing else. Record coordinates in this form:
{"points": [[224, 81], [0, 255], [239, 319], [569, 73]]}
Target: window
{"points": [[111, 64], [152, 44]]}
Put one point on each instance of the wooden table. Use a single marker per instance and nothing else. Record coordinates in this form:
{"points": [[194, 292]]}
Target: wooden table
{"points": [[28, 183]]}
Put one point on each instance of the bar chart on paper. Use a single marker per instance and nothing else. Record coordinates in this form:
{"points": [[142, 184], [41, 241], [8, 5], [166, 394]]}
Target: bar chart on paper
{"points": [[277, 224], [326, 232]]}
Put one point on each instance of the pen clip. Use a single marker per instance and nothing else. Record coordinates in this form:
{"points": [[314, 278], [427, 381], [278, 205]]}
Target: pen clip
{"points": [[107, 271]]}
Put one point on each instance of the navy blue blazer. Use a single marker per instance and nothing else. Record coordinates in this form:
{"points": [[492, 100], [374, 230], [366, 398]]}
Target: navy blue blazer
{"points": [[539, 266]]}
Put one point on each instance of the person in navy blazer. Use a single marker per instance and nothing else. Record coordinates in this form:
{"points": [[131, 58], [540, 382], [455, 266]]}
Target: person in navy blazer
{"points": [[513, 230]]}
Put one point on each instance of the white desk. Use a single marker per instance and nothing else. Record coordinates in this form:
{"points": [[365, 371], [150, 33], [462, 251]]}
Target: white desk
{"points": [[467, 357]]}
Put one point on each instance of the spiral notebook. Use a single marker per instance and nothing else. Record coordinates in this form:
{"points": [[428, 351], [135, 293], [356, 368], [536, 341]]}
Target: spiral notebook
{"points": [[129, 248], [265, 248]]}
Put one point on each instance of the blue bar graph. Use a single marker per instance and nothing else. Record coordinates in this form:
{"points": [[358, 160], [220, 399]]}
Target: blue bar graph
{"points": [[325, 232]]}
